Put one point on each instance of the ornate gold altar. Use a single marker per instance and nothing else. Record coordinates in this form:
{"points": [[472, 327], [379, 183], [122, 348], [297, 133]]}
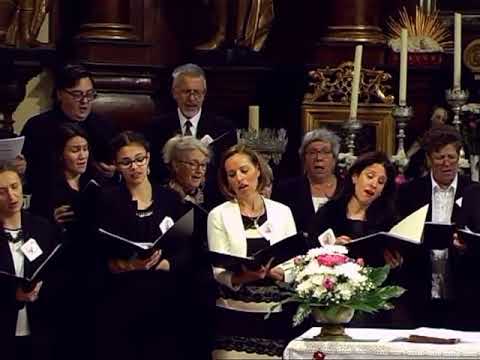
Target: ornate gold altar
{"points": [[326, 103]]}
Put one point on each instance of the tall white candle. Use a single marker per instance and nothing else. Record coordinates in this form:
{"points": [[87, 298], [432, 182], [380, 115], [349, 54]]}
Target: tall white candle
{"points": [[402, 92], [457, 59], [357, 68], [254, 118]]}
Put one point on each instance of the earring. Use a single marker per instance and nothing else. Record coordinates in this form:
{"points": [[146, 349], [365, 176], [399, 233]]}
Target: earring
{"points": [[148, 170]]}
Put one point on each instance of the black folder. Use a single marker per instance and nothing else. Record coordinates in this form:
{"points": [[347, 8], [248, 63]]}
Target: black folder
{"points": [[438, 236], [181, 229], [47, 265], [279, 252], [83, 207]]}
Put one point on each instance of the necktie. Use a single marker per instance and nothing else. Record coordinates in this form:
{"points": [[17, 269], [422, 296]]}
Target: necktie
{"points": [[11, 239], [188, 131]]}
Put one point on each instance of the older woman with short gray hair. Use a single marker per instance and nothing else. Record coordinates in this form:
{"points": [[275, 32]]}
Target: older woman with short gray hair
{"points": [[318, 184], [187, 159]]}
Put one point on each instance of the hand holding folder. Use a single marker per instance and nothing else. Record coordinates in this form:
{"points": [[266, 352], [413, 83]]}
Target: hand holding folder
{"points": [[406, 233], [45, 267], [273, 255], [181, 229]]}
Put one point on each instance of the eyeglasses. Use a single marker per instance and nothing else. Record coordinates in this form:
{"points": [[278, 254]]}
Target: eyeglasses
{"points": [[315, 153], [194, 93], [79, 96], [127, 163], [195, 165]]}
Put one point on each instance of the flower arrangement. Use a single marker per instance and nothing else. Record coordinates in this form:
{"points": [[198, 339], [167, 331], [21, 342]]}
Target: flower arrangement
{"points": [[326, 277]]}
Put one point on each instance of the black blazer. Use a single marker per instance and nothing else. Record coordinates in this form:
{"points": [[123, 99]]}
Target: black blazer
{"points": [[334, 215], [41, 136], [39, 312], [165, 127], [296, 194], [416, 268], [117, 213]]}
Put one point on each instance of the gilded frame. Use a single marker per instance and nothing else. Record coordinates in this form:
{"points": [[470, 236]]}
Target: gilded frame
{"points": [[378, 116]]}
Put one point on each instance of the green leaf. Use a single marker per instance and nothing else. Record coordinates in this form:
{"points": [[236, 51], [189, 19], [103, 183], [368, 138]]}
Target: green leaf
{"points": [[303, 311], [379, 275]]}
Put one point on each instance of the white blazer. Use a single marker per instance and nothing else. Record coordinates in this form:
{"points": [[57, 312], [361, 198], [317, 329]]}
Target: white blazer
{"points": [[226, 233]]}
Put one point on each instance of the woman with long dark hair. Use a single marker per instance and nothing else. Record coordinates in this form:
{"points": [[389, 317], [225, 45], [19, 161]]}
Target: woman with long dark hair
{"points": [[139, 315], [365, 206]]}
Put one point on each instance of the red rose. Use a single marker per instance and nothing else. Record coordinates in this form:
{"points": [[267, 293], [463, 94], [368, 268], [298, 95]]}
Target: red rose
{"points": [[318, 355], [332, 259], [328, 283]]}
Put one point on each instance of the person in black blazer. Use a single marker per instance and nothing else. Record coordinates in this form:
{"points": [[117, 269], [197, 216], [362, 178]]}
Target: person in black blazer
{"points": [[189, 89], [187, 158], [27, 326], [442, 189], [140, 313], [74, 95], [365, 206], [318, 153]]}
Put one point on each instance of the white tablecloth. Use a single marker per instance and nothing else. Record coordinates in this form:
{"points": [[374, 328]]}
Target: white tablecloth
{"points": [[378, 344]]}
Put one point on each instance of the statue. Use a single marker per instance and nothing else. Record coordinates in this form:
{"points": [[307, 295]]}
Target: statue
{"points": [[26, 22], [252, 20]]}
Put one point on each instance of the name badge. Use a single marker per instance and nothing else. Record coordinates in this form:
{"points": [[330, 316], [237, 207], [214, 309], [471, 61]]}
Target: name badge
{"points": [[166, 224], [206, 140], [327, 238], [266, 230], [31, 250]]}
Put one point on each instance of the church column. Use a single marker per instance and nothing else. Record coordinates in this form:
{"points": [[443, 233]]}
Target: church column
{"points": [[107, 20], [355, 21]]}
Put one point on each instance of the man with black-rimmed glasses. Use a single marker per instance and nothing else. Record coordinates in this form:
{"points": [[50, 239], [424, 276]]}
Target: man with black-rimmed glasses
{"points": [[74, 96]]}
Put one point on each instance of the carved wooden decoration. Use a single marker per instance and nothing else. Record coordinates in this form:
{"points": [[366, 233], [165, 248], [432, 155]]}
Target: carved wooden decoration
{"points": [[335, 85], [327, 103]]}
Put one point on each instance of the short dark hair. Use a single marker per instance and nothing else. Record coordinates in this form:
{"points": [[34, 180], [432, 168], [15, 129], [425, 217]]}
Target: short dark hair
{"points": [[256, 160], [383, 207], [440, 136], [66, 132], [127, 138], [68, 76]]}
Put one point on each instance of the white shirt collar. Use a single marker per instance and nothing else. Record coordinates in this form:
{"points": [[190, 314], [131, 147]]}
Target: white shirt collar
{"points": [[453, 185], [194, 120]]}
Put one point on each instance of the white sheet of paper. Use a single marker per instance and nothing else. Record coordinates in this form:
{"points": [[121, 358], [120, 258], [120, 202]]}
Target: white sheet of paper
{"points": [[11, 148], [411, 227]]}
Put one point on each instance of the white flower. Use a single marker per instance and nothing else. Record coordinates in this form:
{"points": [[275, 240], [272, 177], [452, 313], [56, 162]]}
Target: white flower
{"points": [[351, 271]]}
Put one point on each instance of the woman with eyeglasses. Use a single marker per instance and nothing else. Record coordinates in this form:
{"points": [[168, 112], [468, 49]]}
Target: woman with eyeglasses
{"points": [[319, 183], [139, 314], [187, 159]]}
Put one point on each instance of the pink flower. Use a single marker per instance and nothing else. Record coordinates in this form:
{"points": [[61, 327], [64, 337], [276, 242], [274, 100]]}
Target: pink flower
{"points": [[360, 261], [328, 283], [332, 259], [318, 355]]}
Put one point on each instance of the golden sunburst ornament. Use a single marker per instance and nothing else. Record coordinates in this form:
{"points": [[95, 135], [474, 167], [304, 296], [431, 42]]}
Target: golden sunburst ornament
{"points": [[426, 32]]}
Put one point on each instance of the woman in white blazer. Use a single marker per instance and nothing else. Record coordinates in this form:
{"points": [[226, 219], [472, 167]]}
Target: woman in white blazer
{"points": [[241, 226]]}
